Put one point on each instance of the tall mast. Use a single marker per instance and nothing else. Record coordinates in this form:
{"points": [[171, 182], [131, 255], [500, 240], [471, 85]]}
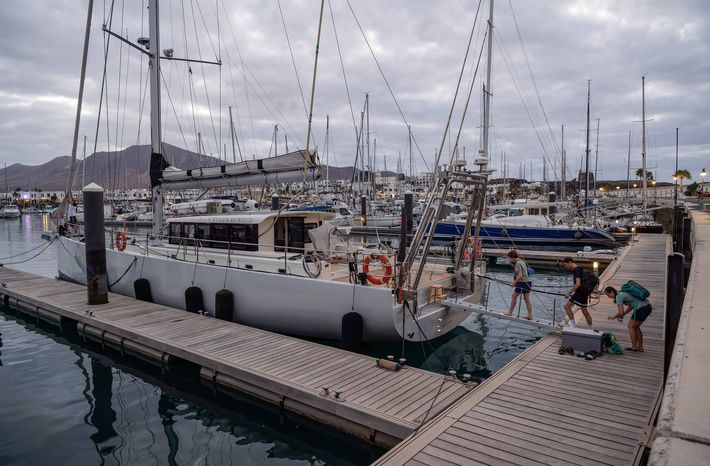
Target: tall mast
{"points": [[83, 165], [675, 173], [367, 140], [313, 93], [157, 161], [628, 168], [231, 132], [563, 185], [643, 146], [487, 89], [596, 159], [327, 157], [586, 169]]}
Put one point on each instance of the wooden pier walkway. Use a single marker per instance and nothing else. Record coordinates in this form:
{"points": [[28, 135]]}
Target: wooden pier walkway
{"points": [[547, 408], [376, 404]]}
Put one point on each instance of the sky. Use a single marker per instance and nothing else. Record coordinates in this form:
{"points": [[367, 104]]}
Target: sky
{"points": [[540, 72]]}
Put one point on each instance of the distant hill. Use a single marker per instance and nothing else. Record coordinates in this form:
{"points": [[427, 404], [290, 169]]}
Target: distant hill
{"points": [[127, 168]]}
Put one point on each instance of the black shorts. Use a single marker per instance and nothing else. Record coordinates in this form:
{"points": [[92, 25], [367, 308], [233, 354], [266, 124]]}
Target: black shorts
{"points": [[641, 313], [580, 297], [523, 287]]}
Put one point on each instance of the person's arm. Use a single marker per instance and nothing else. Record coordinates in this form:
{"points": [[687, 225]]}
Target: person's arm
{"points": [[518, 276], [620, 312]]}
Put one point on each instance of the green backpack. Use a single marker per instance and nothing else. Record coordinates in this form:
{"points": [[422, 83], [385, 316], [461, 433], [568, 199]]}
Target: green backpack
{"points": [[634, 289]]}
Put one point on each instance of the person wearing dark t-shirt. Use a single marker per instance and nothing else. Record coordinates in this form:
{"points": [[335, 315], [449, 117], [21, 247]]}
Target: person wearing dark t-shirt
{"points": [[578, 295]]}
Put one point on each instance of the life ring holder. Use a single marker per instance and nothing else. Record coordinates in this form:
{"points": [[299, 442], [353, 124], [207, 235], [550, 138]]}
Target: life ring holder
{"points": [[382, 259], [121, 240], [478, 251]]}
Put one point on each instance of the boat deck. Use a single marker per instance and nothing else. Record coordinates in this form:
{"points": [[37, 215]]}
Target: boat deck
{"points": [[547, 408], [379, 405]]}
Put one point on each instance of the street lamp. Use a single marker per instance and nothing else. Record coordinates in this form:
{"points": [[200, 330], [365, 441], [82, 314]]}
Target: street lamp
{"points": [[702, 186]]}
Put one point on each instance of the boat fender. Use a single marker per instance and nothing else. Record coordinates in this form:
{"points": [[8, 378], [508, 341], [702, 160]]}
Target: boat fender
{"points": [[351, 332], [578, 234], [224, 304], [389, 365], [141, 288], [193, 300]]}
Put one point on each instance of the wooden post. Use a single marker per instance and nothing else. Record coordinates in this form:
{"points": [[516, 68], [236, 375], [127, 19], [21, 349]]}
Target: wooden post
{"points": [[363, 210], [95, 245], [674, 304], [409, 208]]}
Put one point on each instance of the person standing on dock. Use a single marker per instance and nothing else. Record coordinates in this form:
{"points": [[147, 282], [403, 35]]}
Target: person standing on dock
{"points": [[640, 309], [579, 294], [521, 283]]}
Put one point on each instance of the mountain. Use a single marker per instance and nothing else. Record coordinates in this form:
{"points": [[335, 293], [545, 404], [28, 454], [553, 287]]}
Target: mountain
{"points": [[127, 168]]}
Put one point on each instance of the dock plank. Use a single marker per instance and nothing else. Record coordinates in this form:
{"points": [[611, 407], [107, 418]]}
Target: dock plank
{"points": [[548, 408], [376, 404]]}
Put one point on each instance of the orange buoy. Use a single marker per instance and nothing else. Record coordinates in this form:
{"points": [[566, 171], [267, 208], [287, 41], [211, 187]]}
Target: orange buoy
{"points": [[382, 259], [121, 240]]}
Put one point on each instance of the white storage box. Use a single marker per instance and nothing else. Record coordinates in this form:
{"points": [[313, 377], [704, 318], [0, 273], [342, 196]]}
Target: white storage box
{"points": [[582, 339]]}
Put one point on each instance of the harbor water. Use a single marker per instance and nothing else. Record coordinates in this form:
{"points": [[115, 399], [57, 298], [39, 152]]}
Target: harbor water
{"points": [[70, 400]]}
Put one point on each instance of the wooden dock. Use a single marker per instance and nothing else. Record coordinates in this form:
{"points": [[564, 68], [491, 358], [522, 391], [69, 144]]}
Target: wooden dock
{"points": [[547, 408], [364, 400]]}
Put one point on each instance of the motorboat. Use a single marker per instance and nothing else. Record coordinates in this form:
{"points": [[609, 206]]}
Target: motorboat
{"points": [[10, 211]]}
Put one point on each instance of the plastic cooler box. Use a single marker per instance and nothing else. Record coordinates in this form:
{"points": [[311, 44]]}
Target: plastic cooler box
{"points": [[582, 339]]}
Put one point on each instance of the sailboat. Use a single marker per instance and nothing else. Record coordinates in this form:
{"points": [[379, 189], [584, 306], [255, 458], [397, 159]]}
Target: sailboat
{"points": [[285, 271]]}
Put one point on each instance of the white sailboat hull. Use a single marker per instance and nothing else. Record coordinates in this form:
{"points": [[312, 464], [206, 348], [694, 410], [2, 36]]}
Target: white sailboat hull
{"points": [[283, 303]]}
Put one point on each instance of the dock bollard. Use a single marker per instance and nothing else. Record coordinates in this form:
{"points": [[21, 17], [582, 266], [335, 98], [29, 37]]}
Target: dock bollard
{"points": [[95, 245]]}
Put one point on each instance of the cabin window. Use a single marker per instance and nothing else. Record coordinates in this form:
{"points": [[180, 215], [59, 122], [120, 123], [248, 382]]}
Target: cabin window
{"points": [[189, 232], [344, 211], [202, 232], [219, 236], [534, 211], [244, 237], [544, 211], [175, 233]]}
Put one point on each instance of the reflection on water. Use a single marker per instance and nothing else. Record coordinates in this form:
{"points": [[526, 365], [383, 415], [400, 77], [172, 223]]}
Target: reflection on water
{"points": [[64, 401]]}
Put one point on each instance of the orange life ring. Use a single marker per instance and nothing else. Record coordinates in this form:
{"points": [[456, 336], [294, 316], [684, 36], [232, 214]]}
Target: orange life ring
{"points": [[382, 260], [120, 240]]}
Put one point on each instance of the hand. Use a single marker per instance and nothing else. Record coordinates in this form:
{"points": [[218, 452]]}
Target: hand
{"points": [[568, 294], [615, 316]]}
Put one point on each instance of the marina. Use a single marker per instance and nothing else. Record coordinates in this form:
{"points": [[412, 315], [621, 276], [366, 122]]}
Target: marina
{"points": [[354, 233]]}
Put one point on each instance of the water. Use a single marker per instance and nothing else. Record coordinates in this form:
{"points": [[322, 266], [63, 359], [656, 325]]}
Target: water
{"points": [[68, 400]]}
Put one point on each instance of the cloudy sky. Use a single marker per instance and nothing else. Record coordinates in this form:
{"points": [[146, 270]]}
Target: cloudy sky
{"points": [[539, 81]]}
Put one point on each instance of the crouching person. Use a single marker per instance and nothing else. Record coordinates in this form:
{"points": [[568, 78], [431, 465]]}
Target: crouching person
{"points": [[640, 309]]}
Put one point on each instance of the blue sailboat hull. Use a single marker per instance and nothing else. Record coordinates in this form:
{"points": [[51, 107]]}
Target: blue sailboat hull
{"points": [[507, 236]]}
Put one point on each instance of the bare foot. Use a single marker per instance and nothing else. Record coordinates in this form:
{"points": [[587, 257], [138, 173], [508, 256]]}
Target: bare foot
{"points": [[507, 313], [529, 317]]}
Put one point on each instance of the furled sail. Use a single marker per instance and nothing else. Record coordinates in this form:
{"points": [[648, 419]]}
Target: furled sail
{"points": [[282, 168]]}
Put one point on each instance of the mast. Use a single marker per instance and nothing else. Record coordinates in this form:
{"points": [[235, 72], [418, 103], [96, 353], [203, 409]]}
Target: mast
{"points": [[596, 159], [83, 165], [313, 94], [563, 185], [628, 168], [586, 151], [157, 160], [487, 88], [327, 155], [231, 132], [675, 177], [72, 172], [643, 146]]}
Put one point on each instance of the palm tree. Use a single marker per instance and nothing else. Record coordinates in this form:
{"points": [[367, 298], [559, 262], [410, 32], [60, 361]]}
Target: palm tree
{"points": [[639, 174], [682, 174]]}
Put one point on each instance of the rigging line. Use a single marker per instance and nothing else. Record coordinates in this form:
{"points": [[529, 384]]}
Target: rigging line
{"points": [[167, 91], [532, 76], [118, 101], [468, 100], [125, 98], [190, 86], [107, 42], [209, 37], [458, 87], [293, 61], [389, 88], [204, 79], [342, 67], [246, 70], [525, 106]]}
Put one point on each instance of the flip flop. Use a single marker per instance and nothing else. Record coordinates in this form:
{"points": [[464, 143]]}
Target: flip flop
{"points": [[634, 350]]}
